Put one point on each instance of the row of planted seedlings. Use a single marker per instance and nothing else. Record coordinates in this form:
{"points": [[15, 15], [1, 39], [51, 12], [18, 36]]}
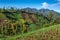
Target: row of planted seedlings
{"points": [[11, 29]]}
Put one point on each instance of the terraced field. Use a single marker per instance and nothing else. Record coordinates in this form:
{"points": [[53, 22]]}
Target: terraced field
{"points": [[48, 33]]}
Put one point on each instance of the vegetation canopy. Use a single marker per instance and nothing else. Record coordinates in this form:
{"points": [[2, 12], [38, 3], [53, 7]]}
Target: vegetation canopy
{"points": [[20, 21]]}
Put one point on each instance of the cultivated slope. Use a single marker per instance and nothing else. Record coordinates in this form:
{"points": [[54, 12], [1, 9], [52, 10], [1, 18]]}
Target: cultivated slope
{"points": [[48, 33]]}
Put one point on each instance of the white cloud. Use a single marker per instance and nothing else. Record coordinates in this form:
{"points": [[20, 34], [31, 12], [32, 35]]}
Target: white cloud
{"points": [[59, 0], [54, 6], [45, 5]]}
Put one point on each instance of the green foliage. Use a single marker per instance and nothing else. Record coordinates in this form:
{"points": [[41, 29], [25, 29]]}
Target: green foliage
{"points": [[17, 16], [51, 31], [46, 25], [19, 22], [2, 16], [50, 16], [32, 27]]}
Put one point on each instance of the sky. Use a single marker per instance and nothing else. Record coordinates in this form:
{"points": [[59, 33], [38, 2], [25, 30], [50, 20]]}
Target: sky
{"points": [[38, 4]]}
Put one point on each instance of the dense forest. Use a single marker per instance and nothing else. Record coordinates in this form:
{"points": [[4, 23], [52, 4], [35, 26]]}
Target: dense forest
{"points": [[15, 21]]}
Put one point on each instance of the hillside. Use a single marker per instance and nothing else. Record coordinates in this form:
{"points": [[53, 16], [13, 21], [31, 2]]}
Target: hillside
{"points": [[49, 33], [45, 12], [14, 22]]}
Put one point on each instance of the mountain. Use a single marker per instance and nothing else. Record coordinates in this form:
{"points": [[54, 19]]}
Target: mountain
{"points": [[25, 20], [30, 10], [45, 12]]}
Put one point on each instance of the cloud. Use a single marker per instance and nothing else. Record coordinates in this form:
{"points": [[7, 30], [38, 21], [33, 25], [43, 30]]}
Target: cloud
{"points": [[54, 6], [45, 5], [59, 0]]}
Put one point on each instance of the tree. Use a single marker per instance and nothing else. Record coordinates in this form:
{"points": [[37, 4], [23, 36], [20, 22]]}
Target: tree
{"points": [[50, 16]]}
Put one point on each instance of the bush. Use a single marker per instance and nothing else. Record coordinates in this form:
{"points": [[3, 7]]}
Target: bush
{"points": [[46, 25]]}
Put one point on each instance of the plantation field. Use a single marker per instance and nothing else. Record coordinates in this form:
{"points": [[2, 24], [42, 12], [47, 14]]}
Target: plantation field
{"points": [[48, 33]]}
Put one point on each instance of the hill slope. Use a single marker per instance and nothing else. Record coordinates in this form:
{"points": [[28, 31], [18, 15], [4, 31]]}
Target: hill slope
{"points": [[49, 33], [20, 22], [45, 12]]}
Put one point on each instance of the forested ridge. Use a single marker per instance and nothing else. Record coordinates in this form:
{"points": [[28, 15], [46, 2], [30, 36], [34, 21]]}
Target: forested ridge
{"points": [[20, 21]]}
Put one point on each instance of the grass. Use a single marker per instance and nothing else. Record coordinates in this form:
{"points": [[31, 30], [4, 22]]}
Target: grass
{"points": [[48, 33]]}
